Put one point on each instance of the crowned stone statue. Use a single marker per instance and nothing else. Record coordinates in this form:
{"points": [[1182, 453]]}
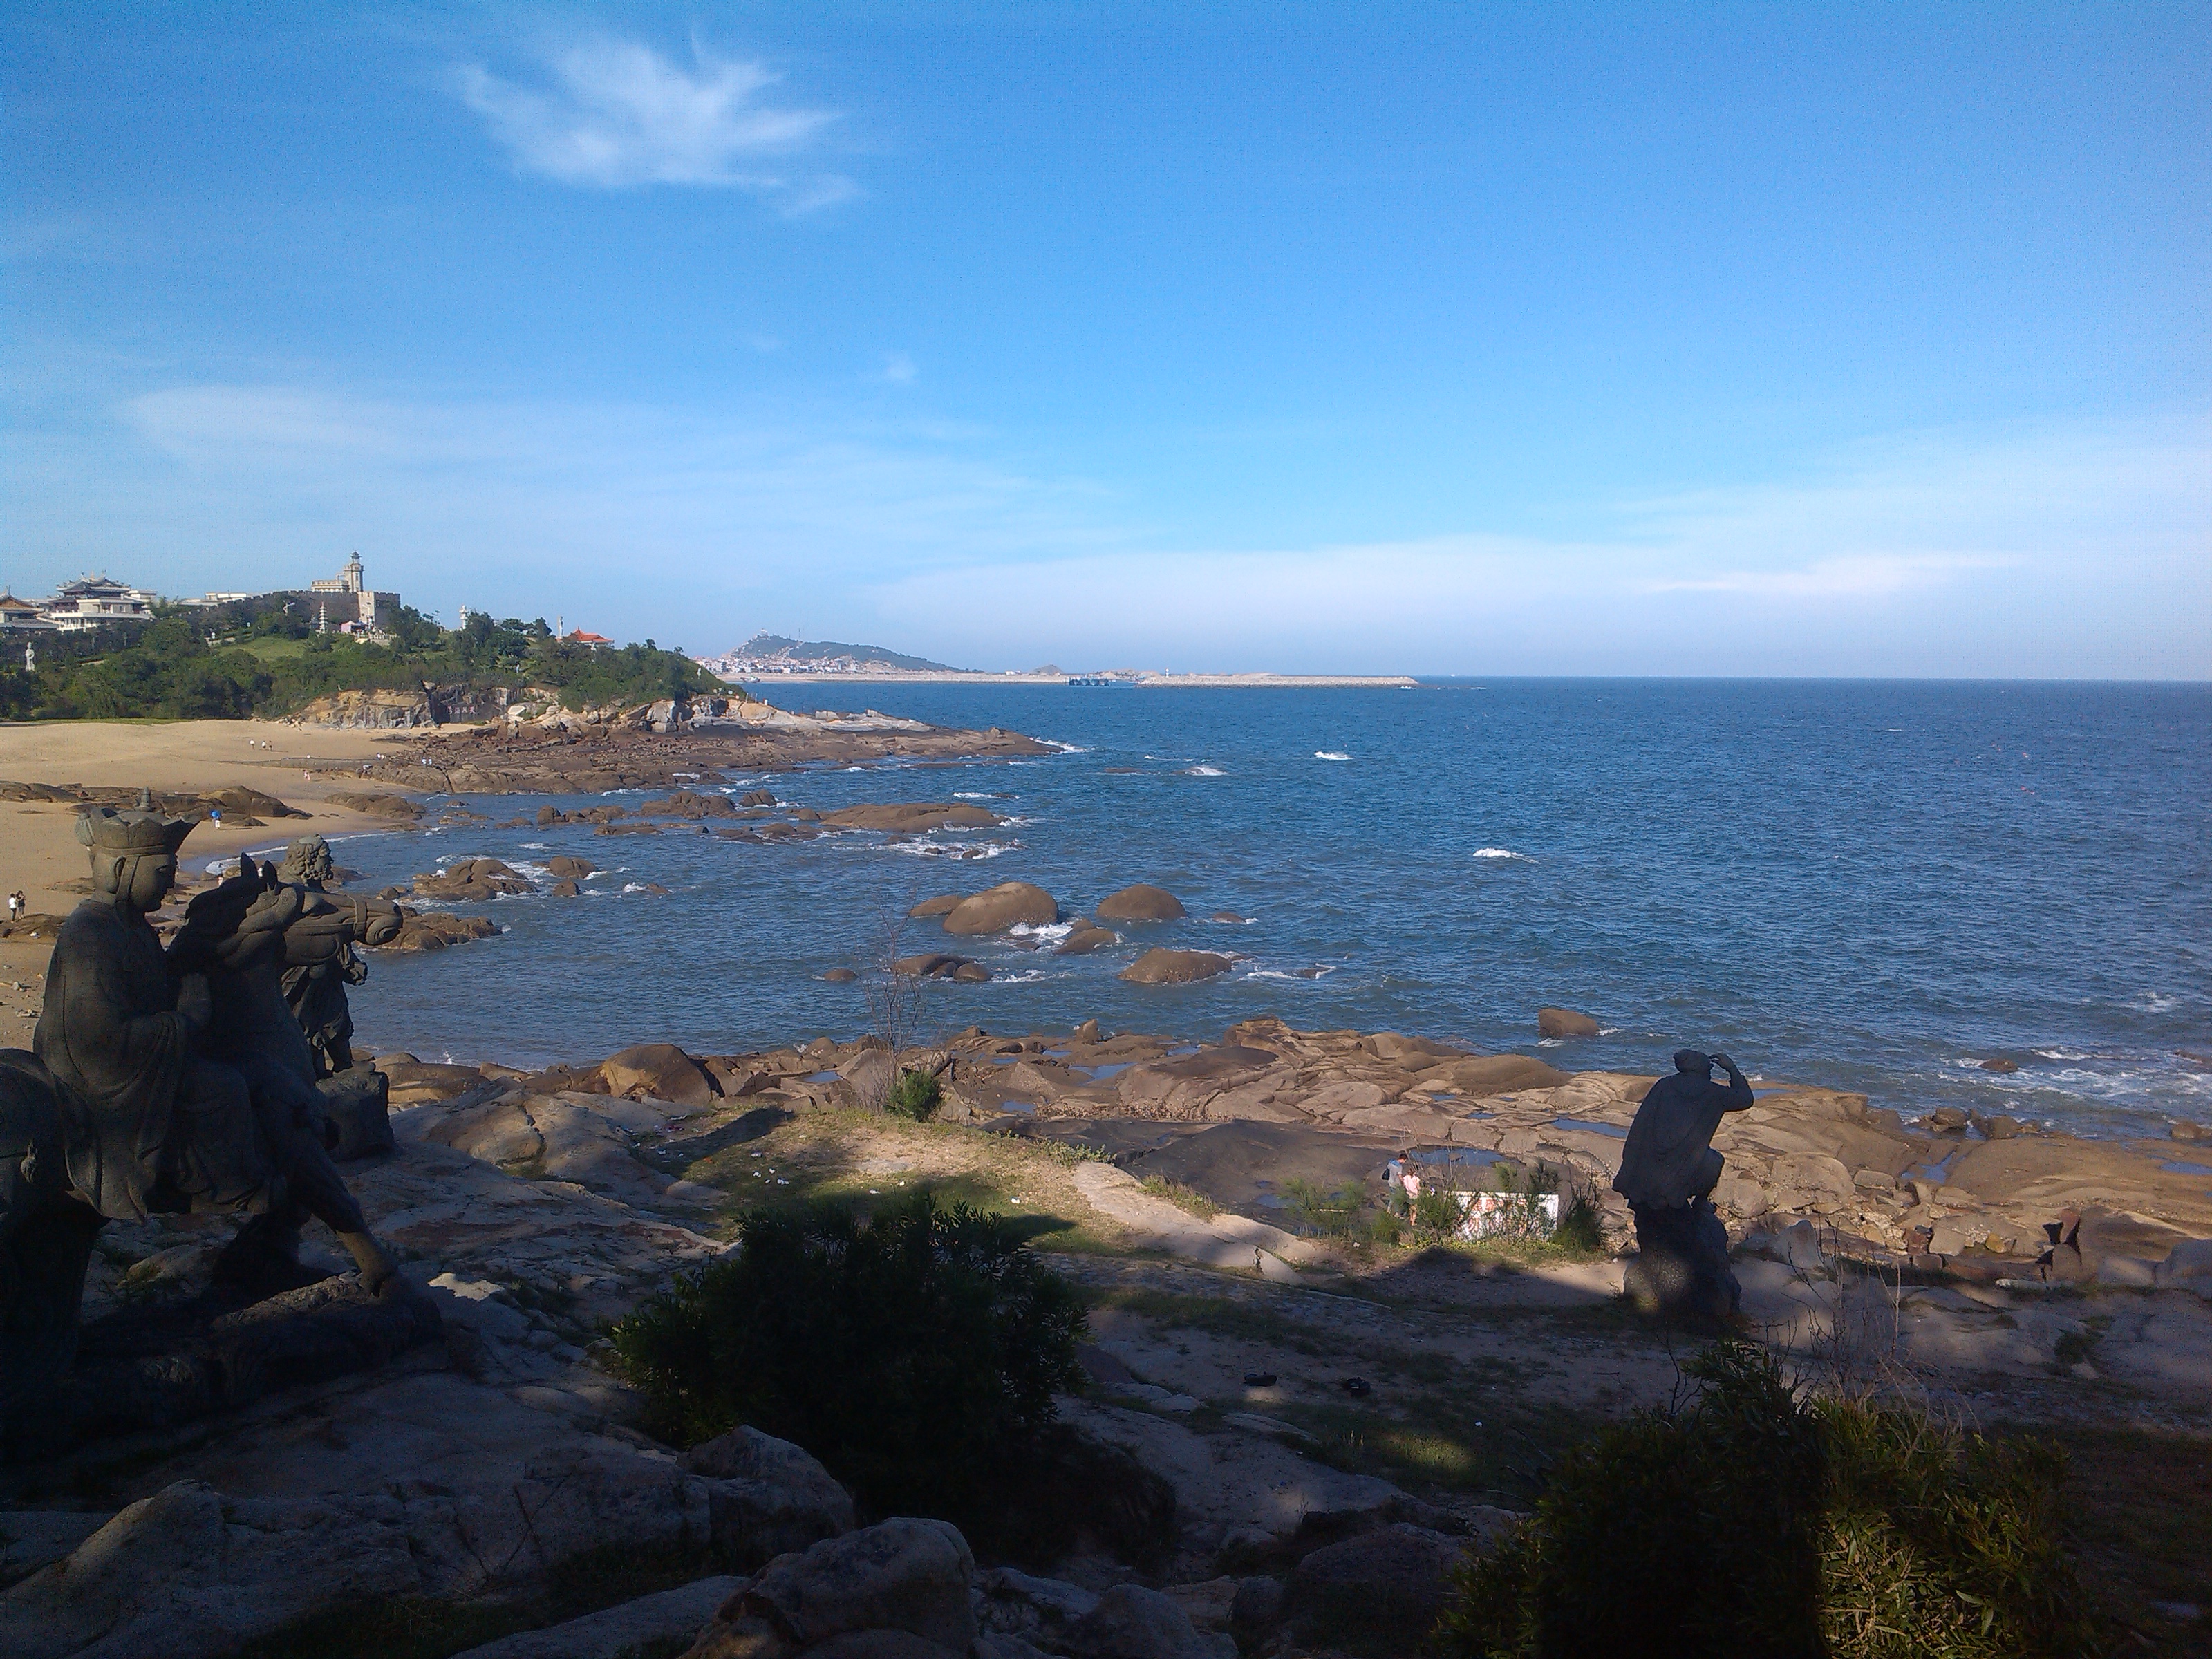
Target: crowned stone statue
{"points": [[148, 1123]]}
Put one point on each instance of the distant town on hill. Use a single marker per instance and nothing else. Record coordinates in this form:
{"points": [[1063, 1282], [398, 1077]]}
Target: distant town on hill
{"points": [[772, 654]]}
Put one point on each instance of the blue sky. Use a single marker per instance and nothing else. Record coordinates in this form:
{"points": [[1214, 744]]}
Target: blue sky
{"points": [[1467, 338]]}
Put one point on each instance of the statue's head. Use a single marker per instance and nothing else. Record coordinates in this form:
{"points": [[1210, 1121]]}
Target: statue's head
{"points": [[1693, 1061], [133, 852], [308, 859]]}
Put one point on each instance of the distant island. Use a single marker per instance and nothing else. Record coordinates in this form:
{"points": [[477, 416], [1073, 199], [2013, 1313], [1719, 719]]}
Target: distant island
{"points": [[772, 654], [767, 654]]}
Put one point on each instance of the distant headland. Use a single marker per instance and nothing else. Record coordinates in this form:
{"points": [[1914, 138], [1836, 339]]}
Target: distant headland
{"points": [[773, 656]]}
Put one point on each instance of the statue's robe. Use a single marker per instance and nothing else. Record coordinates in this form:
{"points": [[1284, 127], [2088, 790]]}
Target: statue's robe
{"points": [[1668, 1161], [111, 1035]]}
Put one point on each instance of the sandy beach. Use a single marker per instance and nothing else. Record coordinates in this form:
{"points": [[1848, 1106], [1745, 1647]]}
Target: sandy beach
{"points": [[39, 853]]}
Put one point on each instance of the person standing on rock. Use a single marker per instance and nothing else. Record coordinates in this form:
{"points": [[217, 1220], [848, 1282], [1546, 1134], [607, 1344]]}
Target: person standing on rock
{"points": [[1668, 1172]]}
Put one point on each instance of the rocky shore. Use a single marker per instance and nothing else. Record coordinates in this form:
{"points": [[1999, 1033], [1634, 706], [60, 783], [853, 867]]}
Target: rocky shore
{"points": [[662, 746], [480, 1476]]}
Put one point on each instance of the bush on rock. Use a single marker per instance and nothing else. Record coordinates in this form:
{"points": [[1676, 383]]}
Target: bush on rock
{"points": [[1759, 1521], [917, 1095], [915, 1354]]}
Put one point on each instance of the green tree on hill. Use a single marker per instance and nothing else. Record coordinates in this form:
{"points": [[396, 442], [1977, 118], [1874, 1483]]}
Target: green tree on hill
{"points": [[263, 659]]}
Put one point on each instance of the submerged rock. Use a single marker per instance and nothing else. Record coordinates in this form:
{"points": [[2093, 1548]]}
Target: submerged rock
{"points": [[1140, 904], [996, 909], [1161, 966], [1564, 1023]]}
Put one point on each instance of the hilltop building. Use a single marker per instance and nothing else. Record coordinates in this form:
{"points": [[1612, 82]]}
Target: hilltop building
{"points": [[344, 601], [94, 602], [21, 616]]}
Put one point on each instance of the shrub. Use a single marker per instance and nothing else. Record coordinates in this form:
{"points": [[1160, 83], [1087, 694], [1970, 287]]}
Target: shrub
{"points": [[1333, 1213], [916, 1354], [917, 1095], [1578, 1232], [1758, 1522]]}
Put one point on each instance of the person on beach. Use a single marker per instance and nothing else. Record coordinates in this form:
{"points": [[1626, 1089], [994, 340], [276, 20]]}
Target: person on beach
{"points": [[1668, 1172]]}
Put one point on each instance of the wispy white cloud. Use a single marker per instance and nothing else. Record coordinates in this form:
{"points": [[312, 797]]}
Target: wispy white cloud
{"points": [[2062, 551], [613, 114], [898, 368], [1855, 576]]}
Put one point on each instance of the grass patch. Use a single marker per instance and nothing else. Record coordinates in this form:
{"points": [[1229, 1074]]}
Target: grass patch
{"points": [[1219, 1315], [815, 1159], [1758, 1520], [2139, 1521], [1183, 1198]]}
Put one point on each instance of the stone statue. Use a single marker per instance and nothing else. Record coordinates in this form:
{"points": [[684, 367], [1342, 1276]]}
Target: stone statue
{"points": [[1668, 1172], [235, 934], [161, 1084], [115, 1115], [148, 1123], [320, 959]]}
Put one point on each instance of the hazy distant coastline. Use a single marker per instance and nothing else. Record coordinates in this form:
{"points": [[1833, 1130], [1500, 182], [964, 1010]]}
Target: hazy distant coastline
{"points": [[1155, 681], [777, 659]]}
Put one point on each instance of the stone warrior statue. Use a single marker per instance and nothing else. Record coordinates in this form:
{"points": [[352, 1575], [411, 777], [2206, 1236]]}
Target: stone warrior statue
{"points": [[236, 935], [1668, 1172], [319, 957]]}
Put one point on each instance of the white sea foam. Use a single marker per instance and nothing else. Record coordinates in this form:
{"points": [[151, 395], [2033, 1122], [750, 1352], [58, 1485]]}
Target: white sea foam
{"points": [[1330, 754], [1027, 976], [1050, 933], [976, 794], [1501, 853], [533, 847], [1203, 772], [950, 850], [1065, 748]]}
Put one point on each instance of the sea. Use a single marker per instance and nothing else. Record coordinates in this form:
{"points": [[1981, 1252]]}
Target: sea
{"points": [[1870, 885]]}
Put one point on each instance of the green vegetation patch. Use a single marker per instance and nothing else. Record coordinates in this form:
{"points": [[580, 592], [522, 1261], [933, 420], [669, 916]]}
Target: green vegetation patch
{"points": [[915, 1352], [255, 658], [1757, 1521]]}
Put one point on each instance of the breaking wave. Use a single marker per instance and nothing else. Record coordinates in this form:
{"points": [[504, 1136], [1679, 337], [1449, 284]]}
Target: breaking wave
{"points": [[951, 849], [1330, 754], [1501, 853]]}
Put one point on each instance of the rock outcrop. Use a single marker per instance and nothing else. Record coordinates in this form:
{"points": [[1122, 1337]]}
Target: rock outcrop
{"points": [[434, 930], [1564, 1023], [191, 1571], [998, 909], [910, 819], [1161, 966], [899, 1588], [1140, 904], [661, 1070]]}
